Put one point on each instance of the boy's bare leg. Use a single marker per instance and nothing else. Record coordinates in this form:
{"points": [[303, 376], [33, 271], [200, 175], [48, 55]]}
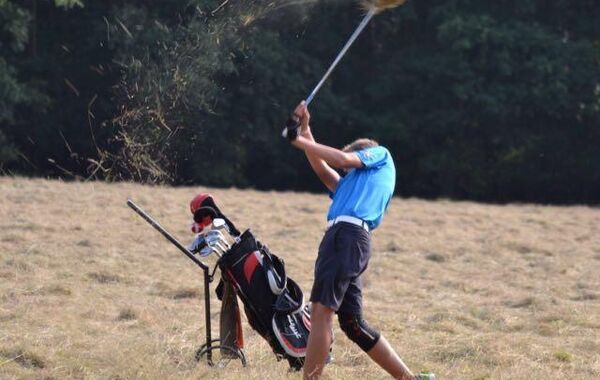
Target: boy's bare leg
{"points": [[384, 355], [319, 340]]}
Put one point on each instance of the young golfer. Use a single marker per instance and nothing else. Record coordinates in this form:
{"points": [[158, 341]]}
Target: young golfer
{"points": [[360, 199]]}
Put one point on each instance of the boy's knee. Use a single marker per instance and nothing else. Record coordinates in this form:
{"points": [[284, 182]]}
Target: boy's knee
{"points": [[358, 331]]}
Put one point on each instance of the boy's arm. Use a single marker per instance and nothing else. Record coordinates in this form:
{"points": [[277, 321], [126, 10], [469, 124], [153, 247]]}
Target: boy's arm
{"points": [[326, 174], [334, 157]]}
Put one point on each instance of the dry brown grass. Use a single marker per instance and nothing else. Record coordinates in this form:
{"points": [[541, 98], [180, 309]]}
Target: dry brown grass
{"points": [[89, 290]]}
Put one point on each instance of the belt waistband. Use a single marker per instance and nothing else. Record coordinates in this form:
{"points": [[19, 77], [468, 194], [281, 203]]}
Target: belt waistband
{"points": [[348, 219]]}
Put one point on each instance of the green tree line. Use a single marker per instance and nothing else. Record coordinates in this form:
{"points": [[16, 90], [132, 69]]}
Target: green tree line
{"points": [[491, 101]]}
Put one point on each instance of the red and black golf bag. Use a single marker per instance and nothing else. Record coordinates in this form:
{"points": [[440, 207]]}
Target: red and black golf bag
{"points": [[274, 304]]}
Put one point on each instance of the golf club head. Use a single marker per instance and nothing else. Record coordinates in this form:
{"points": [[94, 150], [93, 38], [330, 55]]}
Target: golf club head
{"points": [[211, 243], [221, 247], [206, 251], [197, 245], [214, 232], [214, 236], [216, 252], [219, 244], [215, 245], [218, 223]]}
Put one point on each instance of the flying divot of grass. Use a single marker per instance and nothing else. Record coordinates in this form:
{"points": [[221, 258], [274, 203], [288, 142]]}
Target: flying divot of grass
{"points": [[180, 82]]}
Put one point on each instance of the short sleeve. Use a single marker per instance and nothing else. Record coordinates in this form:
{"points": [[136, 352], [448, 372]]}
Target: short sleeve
{"points": [[373, 157]]}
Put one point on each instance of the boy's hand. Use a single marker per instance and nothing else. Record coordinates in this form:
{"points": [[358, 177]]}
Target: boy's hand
{"points": [[292, 128], [298, 123], [303, 115]]}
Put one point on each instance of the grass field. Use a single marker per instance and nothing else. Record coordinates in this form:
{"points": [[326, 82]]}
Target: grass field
{"points": [[88, 290]]}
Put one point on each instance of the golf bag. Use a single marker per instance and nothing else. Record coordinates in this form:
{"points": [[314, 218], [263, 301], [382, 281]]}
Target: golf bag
{"points": [[274, 304]]}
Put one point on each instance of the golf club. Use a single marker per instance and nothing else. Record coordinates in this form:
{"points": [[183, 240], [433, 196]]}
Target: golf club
{"points": [[198, 244], [217, 242], [373, 7], [220, 250], [220, 224], [205, 242], [206, 251], [214, 236]]}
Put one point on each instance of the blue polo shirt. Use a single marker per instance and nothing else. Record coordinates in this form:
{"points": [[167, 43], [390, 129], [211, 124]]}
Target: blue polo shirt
{"points": [[365, 193]]}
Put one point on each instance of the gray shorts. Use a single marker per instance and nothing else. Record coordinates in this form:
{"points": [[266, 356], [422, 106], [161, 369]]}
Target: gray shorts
{"points": [[343, 256]]}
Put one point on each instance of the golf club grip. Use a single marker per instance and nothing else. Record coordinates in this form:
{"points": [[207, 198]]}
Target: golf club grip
{"points": [[292, 122], [165, 233]]}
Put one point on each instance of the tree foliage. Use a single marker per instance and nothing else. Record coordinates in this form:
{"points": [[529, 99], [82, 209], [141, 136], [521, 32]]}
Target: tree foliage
{"points": [[495, 101]]}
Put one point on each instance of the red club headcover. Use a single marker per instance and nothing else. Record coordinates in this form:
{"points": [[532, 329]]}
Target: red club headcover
{"points": [[198, 227], [200, 200], [201, 207]]}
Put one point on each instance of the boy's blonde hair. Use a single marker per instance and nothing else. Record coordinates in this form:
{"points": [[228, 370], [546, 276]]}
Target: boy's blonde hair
{"points": [[360, 144]]}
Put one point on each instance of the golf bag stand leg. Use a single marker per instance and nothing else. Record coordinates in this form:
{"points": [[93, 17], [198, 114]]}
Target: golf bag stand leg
{"points": [[213, 344], [208, 347]]}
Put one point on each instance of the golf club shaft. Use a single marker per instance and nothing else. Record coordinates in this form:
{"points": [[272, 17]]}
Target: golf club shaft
{"points": [[166, 234], [337, 60]]}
